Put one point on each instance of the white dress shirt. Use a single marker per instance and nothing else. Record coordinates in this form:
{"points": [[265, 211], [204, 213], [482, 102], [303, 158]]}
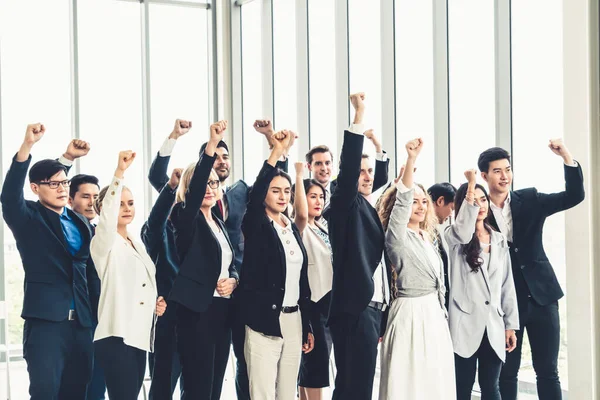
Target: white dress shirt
{"points": [[226, 257], [504, 218], [167, 147], [293, 262], [127, 274]]}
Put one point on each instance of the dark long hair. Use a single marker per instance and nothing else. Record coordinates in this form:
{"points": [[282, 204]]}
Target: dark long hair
{"points": [[472, 250]]}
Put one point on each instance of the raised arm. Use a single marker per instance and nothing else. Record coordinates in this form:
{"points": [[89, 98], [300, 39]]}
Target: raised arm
{"points": [[346, 190], [300, 202], [395, 236], [382, 163], [77, 148], [461, 232], [153, 230], [14, 207], [574, 192], [158, 170], [106, 231]]}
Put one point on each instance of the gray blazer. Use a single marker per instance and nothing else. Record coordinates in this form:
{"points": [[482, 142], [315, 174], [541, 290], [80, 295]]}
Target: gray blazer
{"points": [[417, 274], [482, 300]]}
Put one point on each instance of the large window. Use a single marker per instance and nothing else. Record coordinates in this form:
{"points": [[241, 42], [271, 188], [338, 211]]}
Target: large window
{"points": [[414, 83], [253, 88], [322, 75], [537, 96], [364, 33], [35, 88], [110, 71], [285, 80], [472, 83], [179, 78]]}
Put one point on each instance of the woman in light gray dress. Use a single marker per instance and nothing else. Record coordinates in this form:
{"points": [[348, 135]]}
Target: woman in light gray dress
{"points": [[417, 360]]}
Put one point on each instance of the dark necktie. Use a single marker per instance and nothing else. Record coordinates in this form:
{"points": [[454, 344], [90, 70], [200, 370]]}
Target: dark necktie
{"points": [[220, 204]]}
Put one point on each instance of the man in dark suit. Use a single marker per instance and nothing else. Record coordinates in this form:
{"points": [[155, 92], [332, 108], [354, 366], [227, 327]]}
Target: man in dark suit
{"points": [[83, 192], [442, 196], [164, 363], [520, 216], [361, 280], [53, 242]]}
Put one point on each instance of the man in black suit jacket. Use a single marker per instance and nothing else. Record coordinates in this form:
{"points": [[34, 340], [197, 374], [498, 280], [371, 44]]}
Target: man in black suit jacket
{"points": [[53, 242], [361, 281], [520, 216]]}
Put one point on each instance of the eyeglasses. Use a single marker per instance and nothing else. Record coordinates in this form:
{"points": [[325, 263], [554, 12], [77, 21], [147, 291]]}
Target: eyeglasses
{"points": [[55, 184], [213, 184]]}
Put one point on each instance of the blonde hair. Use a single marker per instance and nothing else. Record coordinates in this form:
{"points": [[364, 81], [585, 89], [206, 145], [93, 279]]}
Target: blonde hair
{"points": [[184, 182], [101, 196]]}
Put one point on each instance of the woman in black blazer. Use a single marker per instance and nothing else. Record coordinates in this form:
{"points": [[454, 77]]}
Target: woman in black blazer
{"points": [[206, 279], [275, 292]]}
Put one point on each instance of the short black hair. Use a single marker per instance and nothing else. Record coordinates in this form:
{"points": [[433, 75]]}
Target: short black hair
{"points": [[490, 155], [221, 144], [44, 170], [316, 150], [445, 190], [81, 179]]}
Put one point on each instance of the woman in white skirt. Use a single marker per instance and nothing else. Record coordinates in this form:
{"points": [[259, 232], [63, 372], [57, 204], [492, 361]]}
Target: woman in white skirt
{"points": [[417, 359]]}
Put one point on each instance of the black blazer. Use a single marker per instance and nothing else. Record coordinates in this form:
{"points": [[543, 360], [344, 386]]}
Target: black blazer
{"points": [[53, 277], [532, 271], [356, 235], [264, 267], [157, 231], [197, 246]]}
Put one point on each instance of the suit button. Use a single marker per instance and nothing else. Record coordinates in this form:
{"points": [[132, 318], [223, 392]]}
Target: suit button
{"points": [[522, 267], [487, 302], [516, 249], [117, 183], [141, 303], [112, 193], [143, 285], [274, 307]]}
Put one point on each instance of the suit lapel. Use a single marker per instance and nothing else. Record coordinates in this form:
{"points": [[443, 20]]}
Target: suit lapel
{"points": [[515, 209], [53, 220]]}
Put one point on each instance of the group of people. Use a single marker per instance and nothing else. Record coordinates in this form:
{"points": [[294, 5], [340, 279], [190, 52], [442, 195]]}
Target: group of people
{"points": [[286, 271]]}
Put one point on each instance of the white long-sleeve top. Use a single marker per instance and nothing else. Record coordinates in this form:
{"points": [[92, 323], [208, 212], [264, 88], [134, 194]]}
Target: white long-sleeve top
{"points": [[127, 274]]}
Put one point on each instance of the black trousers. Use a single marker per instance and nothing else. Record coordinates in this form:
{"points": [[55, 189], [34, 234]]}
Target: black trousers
{"points": [[489, 372], [97, 387], [59, 359], [124, 367], [355, 340], [238, 337], [314, 368], [203, 340], [164, 364], [543, 330]]}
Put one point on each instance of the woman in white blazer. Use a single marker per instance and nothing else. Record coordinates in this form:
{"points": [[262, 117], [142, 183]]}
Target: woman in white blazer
{"points": [[483, 309], [309, 201], [128, 302]]}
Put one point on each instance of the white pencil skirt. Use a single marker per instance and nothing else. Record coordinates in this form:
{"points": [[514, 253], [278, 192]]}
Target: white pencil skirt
{"points": [[417, 359]]}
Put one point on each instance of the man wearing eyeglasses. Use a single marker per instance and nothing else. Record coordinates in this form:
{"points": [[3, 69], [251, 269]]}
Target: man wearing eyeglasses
{"points": [[53, 242]]}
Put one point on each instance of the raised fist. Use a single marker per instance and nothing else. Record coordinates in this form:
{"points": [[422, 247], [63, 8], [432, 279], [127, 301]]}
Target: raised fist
{"points": [[281, 140], [216, 131], [357, 100], [181, 128], [126, 157], [77, 148], [175, 178], [471, 175], [558, 147], [34, 133], [264, 126], [370, 134], [413, 147]]}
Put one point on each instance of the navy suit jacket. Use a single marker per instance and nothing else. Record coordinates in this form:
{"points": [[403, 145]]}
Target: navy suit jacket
{"points": [[157, 231], [356, 235], [53, 277], [532, 271]]}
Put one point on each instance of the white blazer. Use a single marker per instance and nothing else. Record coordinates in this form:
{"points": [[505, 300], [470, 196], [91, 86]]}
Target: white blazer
{"points": [[127, 274], [320, 268], [483, 300]]}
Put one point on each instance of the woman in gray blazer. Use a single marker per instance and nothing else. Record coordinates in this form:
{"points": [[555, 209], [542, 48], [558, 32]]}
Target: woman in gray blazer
{"points": [[416, 352], [483, 309]]}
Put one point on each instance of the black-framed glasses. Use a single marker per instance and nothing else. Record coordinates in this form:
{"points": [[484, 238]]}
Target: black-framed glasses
{"points": [[55, 184], [213, 184]]}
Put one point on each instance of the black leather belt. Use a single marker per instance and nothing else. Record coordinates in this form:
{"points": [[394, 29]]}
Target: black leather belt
{"points": [[377, 305], [289, 310], [72, 315]]}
